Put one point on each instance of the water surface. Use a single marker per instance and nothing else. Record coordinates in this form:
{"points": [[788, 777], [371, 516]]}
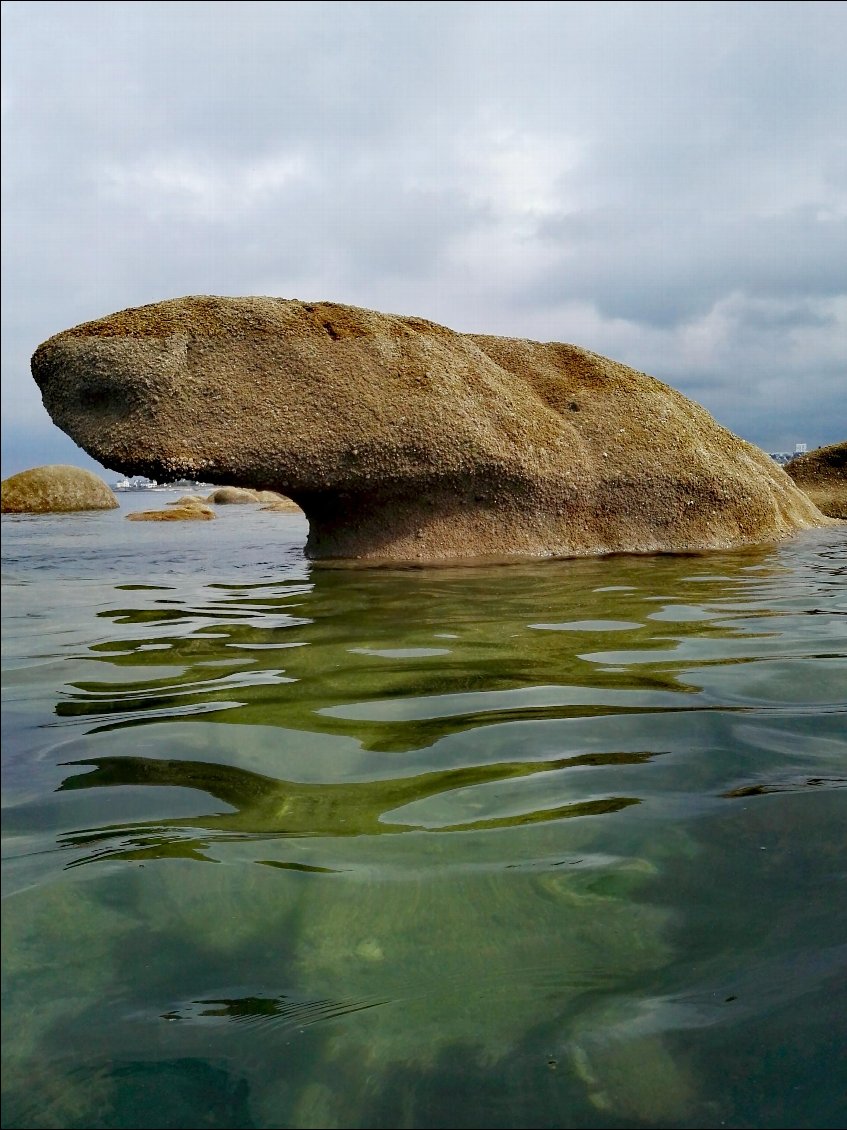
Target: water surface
{"points": [[556, 844]]}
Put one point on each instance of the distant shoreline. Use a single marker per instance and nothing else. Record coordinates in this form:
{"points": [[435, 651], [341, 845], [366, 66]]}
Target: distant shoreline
{"points": [[146, 488]]}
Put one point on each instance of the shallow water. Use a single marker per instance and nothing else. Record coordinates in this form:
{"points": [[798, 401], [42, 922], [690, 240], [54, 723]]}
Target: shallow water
{"points": [[557, 844]]}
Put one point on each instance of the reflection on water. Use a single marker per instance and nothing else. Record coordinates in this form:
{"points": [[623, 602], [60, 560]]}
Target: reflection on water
{"points": [[555, 844], [266, 806]]}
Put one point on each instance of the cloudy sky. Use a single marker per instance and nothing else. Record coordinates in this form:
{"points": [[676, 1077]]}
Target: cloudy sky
{"points": [[663, 183]]}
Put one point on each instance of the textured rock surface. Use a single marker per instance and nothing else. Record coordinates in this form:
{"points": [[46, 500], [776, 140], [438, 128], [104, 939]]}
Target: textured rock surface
{"points": [[232, 495], [188, 512], [286, 506], [188, 500], [55, 488], [822, 475], [273, 496], [403, 440]]}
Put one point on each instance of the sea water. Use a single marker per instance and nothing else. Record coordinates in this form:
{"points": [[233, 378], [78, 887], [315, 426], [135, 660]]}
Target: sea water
{"points": [[545, 844]]}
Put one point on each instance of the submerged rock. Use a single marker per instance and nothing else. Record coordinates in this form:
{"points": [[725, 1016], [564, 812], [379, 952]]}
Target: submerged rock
{"points": [[403, 440], [477, 986], [822, 475], [55, 488]]}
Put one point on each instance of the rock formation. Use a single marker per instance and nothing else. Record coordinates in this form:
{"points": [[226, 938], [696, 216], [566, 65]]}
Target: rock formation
{"points": [[188, 500], [55, 488], [232, 495], [822, 475], [273, 496], [187, 512], [286, 506], [403, 440]]}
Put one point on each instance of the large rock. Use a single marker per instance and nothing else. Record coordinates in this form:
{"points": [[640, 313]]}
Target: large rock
{"points": [[55, 488], [401, 439], [822, 475]]}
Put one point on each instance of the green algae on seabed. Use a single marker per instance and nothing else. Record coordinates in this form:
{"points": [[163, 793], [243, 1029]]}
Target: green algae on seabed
{"points": [[467, 900], [398, 970]]}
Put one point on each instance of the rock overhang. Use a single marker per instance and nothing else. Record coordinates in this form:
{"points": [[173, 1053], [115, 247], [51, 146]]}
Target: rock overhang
{"points": [[399, 437]]}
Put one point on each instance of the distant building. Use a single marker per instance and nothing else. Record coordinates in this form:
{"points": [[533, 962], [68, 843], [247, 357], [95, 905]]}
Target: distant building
{"points": [[787, 456], [137, 482]]}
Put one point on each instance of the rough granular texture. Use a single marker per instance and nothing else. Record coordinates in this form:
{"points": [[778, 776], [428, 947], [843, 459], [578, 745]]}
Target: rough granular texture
{"points": [[55, 488], [187, 512], [822, 475], [403, 440], [226, 495]]}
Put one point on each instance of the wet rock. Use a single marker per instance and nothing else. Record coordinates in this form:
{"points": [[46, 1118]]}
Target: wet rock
{"points": [[55, 488], [188, 513]]}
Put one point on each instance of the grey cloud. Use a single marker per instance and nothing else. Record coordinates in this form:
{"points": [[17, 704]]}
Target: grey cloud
{"points": [[666, 268], [662, 182]]}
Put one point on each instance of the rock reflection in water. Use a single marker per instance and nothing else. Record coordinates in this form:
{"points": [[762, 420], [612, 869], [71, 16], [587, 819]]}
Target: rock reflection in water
{"points": [[422, 849], [476, 958], [266, 806]]}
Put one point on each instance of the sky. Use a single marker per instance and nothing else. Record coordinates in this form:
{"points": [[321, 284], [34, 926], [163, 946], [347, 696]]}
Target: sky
{"points": [[662, 183]]}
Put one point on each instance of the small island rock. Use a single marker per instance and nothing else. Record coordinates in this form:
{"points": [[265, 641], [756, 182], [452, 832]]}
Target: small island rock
{"points": [[190, 512], [55, 488], [232, 495], [188, 500], [286, 506], [822, 475]]}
